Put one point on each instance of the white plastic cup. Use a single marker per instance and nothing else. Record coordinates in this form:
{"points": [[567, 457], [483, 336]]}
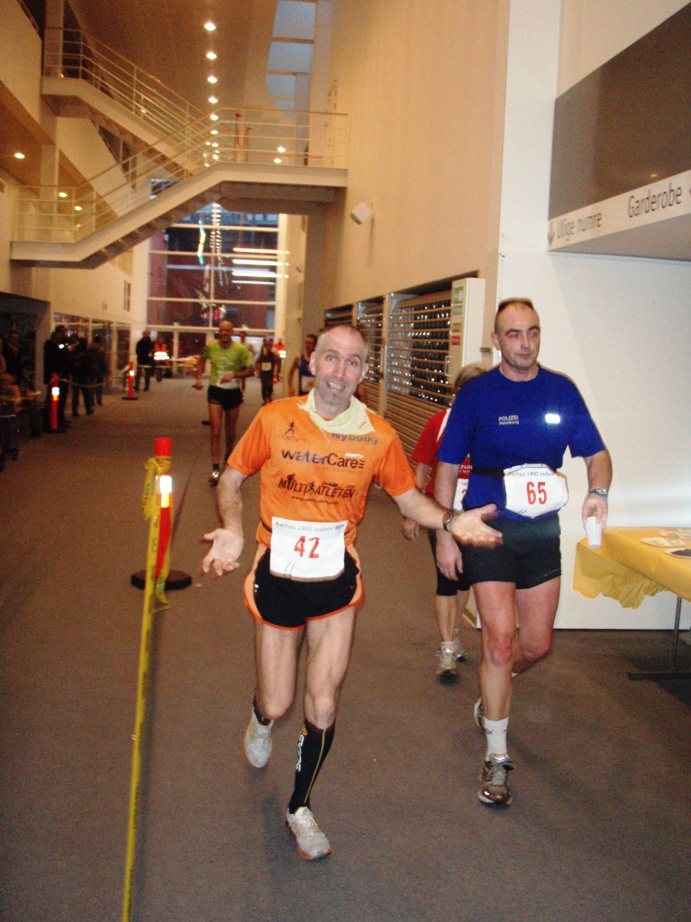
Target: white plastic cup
{"points": [[593, 532]]}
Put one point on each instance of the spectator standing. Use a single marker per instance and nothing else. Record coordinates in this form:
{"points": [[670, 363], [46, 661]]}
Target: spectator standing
{"points": [[11, 355], [80, 376], [10, 400], [161, 359], [99, 367], [145, 360]]}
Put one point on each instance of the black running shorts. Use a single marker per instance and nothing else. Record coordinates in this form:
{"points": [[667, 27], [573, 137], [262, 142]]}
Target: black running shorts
{"points": [[289, 604], [529, 556], [229, 398]]}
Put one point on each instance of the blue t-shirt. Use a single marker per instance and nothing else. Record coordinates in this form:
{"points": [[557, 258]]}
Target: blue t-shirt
{"points": [[502, 423]]}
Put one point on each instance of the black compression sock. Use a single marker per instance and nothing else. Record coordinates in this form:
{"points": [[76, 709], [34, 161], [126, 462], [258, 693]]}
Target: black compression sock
{"points": [[313, 748]]}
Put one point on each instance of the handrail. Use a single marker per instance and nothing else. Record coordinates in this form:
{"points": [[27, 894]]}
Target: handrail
{"points": [[75, 54], [265, 137]]}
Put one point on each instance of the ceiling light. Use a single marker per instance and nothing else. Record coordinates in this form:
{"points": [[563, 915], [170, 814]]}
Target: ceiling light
{"points": [[281, 149], [77, 207], [212, 79], [210, 26], [215, 144], [213, 117], [62, 195], [214, 131], [19, 155], [212, 100], [211, 55], [277, 160]]}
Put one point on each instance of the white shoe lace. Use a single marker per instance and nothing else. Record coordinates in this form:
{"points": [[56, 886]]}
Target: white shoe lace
{"points": [[305, 824], [497, 776]]}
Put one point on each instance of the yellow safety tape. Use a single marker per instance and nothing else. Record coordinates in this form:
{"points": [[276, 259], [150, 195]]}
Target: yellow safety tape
{"points": [[154, 602], [154, 468]]}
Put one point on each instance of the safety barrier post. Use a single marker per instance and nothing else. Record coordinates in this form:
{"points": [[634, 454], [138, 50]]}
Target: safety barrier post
{"points": [[53, 423], [130, 383], [157, 507]]}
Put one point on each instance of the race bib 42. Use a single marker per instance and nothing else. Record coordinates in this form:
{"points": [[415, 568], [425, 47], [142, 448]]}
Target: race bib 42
{"points": [[307, 550]]}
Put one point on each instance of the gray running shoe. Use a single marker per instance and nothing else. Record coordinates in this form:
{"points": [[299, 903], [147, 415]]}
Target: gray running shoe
{"points": [[494, 784], [447, 667], [458, 650], [258, 742], [479, 714], [311, 841]]}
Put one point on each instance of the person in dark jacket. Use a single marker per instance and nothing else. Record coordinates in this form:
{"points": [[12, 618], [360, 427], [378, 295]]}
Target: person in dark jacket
{"points": [[99, 367], [145, 360], [80, 376]]}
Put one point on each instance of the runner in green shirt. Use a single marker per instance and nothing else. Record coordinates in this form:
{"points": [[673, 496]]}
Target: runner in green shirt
{"points": [[230, 363]]}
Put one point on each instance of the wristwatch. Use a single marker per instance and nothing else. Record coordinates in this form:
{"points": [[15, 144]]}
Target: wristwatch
{"points": [[600, 491], [448, 519]]}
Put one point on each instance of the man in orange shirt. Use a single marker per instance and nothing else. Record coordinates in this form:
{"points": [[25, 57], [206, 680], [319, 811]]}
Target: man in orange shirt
{"points": [[318, 455]]}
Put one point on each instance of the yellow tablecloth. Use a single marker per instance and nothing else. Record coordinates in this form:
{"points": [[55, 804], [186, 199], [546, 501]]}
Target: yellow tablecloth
{"points": [[626, 569]]}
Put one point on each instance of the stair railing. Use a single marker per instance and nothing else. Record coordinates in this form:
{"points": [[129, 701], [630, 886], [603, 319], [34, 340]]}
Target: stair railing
{"points": [[268, 138], [75, 54]]}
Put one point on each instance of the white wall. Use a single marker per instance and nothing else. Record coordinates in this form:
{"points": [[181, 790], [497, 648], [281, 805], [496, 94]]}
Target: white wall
{"points": [[420, 83], [619, 327]]}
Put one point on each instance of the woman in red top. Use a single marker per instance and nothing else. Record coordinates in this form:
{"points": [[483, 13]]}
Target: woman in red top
{"points": [[452, 594]]}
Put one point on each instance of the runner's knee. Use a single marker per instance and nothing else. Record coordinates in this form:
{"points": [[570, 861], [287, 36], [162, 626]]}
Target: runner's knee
{"points": [[498, 648], [320, 708]]}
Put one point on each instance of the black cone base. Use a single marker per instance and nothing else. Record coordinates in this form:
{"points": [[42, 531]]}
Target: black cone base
{"points": [[177, 579]]}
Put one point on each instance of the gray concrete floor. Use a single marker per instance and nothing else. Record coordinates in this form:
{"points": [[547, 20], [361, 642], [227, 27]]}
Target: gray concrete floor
{"points": [[601, 821]]}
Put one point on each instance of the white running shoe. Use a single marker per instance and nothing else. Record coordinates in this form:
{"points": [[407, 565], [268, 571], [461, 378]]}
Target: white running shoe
{"points": [[494, 782], [447, 666], [311, 841], [458, 650], [258, 742]]}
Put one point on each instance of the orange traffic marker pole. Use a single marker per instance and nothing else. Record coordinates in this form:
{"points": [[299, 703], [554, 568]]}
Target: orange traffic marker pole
{"points": [[130, 383], [54, 422], [54, 401]]}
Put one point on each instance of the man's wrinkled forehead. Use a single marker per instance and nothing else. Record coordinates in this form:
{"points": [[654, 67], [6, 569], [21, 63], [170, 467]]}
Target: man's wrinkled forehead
{"points": [[516, 312], [346, 342]]}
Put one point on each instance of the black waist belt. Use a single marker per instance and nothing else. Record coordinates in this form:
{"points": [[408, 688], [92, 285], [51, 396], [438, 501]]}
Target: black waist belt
{"points": [[488, 471]]}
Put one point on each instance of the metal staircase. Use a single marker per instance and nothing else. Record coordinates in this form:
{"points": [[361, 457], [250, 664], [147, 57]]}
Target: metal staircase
{"points": [[247, 159], [84, 78]]}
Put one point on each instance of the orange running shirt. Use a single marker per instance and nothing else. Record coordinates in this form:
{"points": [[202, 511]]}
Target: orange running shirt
{"points": [[315, 476]]}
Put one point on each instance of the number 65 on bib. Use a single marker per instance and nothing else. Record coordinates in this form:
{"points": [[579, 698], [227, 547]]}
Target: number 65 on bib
{"points": [[534, 489]]}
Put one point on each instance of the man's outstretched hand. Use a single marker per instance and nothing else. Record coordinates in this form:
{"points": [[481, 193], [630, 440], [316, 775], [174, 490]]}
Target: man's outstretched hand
{"points": [[225, 550]]}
